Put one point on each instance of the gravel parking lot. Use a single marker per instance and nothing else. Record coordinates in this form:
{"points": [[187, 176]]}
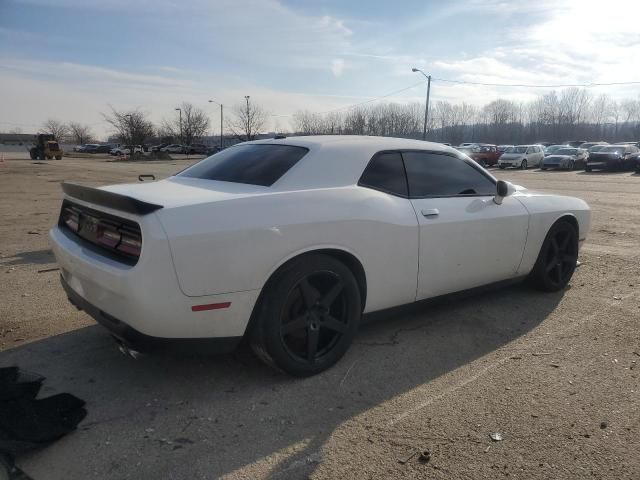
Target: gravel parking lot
{"points": [[556, 374]]}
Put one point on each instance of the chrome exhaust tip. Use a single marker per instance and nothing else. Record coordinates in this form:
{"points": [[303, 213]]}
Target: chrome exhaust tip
{"points": [[126, 350]]}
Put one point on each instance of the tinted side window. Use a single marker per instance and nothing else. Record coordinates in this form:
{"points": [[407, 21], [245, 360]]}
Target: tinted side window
{"points": [[439, 175], [257, 164], [385, 172]]}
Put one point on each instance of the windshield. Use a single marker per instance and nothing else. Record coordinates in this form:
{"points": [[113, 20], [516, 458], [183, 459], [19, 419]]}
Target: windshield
{"points": [[516, 150], [468, 149], [567, 151], [553, 148], [618, 150], [255, 164], [596, 148]]}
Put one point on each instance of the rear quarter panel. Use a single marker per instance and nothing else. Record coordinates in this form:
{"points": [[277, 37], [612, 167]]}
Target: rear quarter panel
{"points": [[235, 245], [544, 211]]}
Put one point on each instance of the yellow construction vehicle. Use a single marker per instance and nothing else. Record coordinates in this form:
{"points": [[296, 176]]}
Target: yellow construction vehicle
{"points": [[45, 146]]}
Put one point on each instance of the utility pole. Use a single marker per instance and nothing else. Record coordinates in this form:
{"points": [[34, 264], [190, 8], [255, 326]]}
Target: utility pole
{"points": [[180, 110], [246, 97], [221, 120], [426, 105]]}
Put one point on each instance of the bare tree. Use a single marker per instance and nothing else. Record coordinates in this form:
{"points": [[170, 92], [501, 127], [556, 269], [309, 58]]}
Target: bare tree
{"points": [[247, 121], [131, 127], [195, 124], [56, 128], [79, 133]]}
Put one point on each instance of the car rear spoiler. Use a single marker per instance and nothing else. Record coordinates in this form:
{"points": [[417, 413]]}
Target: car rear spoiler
{"points": [[104, 198]]}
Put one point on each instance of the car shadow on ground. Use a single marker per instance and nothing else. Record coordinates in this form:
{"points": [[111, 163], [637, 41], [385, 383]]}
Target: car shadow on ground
{"points": [[34, 257], [178, 417]]}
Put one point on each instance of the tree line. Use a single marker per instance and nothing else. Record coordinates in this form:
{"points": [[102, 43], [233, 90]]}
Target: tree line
{"points": [[572, 113], [187, 126]]}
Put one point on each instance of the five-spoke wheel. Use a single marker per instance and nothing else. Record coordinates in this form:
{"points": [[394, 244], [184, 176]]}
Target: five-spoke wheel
{"points": [[557, 258], [308, 315]]}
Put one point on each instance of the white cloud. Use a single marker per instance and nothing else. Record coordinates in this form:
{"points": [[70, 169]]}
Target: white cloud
{"points": [[337, 67]]}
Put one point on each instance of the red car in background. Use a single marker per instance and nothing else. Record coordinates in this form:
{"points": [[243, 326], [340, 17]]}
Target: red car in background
{"points": [[483, 154]]}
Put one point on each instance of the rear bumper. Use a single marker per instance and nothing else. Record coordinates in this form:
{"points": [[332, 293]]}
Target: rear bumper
{"points": [[146, 298], [146, 343]]}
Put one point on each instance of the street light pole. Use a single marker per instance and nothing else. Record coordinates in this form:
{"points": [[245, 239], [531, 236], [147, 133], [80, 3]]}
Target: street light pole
{"points": [[180, 110], [426, 105], [221, 122]]}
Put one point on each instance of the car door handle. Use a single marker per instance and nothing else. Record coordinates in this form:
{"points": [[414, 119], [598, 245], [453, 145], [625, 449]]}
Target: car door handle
{"points": [[430, 212]]}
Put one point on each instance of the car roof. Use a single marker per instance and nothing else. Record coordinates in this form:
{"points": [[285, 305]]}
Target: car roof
{"points": [[339, 160]]}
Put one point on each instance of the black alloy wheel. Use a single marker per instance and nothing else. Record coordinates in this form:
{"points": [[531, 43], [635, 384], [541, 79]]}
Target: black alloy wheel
{"points": [[557, 259], [308, 315], [314, 317]]}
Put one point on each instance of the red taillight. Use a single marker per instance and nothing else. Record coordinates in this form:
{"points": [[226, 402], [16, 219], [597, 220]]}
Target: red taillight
{"points": [[71, 219], [130, 244], [108, 235]]}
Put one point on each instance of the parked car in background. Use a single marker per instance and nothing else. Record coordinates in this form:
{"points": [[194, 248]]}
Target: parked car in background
{"points": [[575, 143], [126, 150], [176, 259], [612, 157], [636, 158], [104, 149], [502, 148], [197, 149], [157, 148], [588, 145], [522, 156], [467, 144], [569, 158], [551, 149], [88, 148], [483, 154], [174, 148]]}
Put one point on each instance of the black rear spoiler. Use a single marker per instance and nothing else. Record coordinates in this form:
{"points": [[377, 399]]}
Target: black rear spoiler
{"points": [[116, 201]]}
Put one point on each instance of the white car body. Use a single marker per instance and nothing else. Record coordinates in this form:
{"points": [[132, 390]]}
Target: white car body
{"points": [[175, 148], [531, 154], [126, 150], [214, 242]]}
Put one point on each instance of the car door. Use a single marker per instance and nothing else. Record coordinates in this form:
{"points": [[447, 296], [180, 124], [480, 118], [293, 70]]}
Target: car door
{"points": [[466, 239]]}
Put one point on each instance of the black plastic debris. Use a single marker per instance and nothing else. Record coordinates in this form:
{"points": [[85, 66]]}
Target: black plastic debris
{"points": [[27, 422]]}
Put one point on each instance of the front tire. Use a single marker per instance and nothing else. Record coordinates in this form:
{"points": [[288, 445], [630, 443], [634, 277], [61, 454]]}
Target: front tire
{"points": [[557, 258], [308, 316], [523, 165]]}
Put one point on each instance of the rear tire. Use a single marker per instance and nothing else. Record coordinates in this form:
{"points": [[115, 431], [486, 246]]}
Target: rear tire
{"points": [[307, 317], [587, 169], [557, 258]]}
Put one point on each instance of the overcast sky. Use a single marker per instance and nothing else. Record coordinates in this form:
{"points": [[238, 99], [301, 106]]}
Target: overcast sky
{"points": [[71, 59]]}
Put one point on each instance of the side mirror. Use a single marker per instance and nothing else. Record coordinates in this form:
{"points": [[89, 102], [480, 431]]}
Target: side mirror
{"points": [[503, 189]]}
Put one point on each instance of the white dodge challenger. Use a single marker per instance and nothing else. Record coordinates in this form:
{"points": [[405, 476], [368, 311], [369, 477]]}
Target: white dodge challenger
{"points": [[288, 241]]}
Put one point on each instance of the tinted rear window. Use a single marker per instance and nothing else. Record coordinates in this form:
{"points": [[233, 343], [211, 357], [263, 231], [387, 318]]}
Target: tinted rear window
{"points": [[385, 172], [260, 164]]}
